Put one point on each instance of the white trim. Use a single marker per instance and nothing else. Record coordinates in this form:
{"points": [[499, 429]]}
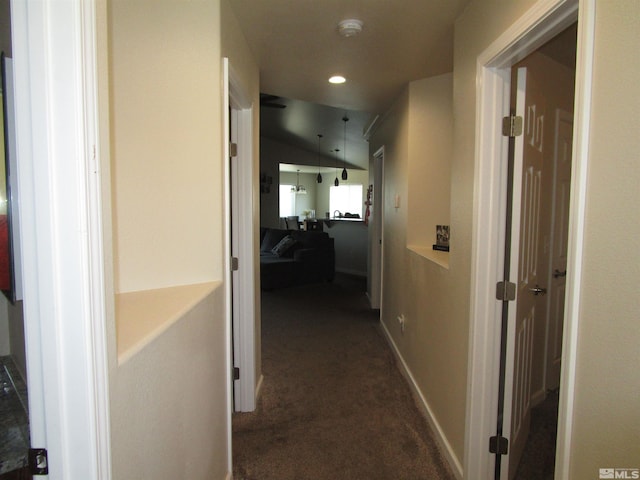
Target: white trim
{"points": [[440, 436], [227, 260], [543, 21], [244, 311], [54, 48], [581, 129], [376, 257], [355, 273]]}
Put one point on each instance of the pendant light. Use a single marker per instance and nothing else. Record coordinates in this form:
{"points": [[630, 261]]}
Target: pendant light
{"points": [[336, 182], [298, 189], [345, 119], [319, 177]]}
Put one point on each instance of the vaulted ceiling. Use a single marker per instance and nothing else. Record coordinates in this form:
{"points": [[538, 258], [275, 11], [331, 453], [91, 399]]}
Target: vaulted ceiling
{"points": [[298, 47]]}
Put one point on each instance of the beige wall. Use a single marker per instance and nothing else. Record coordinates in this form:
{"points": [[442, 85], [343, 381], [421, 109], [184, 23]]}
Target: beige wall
{"points": [[430, 145], [166, 116], [434, 343], [168, 402], [161, 108], [607, 415]]}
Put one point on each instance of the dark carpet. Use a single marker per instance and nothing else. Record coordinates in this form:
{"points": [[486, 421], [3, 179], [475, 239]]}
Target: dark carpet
{"points": [[539, 457], [334, 404]]}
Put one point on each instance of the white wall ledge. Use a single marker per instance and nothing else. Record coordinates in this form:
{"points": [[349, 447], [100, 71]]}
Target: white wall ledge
{"points": [[427, 252], [143, 316]]}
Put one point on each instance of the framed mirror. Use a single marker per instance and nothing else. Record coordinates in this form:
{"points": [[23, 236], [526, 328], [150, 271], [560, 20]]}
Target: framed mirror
{"points": [[10, 271]]}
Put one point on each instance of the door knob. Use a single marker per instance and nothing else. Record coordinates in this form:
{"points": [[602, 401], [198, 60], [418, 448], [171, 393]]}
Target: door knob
{"points": [[538, 290], [557, 273]]}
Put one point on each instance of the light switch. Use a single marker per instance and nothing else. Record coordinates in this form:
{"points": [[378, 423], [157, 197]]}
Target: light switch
{"points": [[397, 201]]}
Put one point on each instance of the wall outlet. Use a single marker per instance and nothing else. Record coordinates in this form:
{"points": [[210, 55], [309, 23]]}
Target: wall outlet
{"points": [[401, 321]]}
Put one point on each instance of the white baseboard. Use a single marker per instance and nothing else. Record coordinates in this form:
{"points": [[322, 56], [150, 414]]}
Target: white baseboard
{"points": [[351, 272], [259, 388], [441, 438]]}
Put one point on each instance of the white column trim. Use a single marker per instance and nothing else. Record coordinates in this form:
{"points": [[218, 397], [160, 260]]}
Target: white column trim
{"points": [[54, 48]]}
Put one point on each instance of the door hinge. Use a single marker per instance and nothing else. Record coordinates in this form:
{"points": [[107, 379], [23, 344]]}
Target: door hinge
{"points": [[38, 461], [506, 291], [512, 126], [233, 149], [236, 373], [234, 264], [498, 445]]}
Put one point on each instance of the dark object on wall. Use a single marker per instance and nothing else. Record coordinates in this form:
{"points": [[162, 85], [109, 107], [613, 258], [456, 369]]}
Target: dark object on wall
{"points": [[309, 258], [442, 238], [265, 183]]}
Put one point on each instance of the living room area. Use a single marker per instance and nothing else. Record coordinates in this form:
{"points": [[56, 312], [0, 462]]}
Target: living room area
{"points": [[317, 179]]}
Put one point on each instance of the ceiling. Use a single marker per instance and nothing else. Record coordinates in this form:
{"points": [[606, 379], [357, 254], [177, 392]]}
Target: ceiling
{"points": [[298, 47]]}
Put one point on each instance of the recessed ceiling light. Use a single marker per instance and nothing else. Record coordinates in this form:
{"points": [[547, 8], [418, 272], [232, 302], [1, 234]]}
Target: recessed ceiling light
{"points": [[337, 79], [350, 27]]}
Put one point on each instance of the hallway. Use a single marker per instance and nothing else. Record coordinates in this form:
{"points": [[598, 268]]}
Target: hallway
{"points": [[334, 404]]}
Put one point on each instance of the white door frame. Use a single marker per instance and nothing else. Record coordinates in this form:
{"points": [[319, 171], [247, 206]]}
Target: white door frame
{"points": [[377, 232], [58, 150], [243, 232], [541, 23]]}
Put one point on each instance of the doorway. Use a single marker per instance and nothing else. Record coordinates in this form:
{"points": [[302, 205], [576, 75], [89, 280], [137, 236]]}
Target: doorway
{"points": [[539, 25], [376, 241], [542, 96], [243, 318]]}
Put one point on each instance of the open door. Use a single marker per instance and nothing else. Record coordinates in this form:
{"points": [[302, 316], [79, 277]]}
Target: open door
{"points": [[527, 179], [376, 236], [537, 252], [242, 297]]}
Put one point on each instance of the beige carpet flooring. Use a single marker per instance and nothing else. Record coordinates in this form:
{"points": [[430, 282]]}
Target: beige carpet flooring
{"points": [[334, 404]]}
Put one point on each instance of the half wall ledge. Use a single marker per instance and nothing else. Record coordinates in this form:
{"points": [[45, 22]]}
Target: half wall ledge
{"points": [[435, 256], [143, 316]]}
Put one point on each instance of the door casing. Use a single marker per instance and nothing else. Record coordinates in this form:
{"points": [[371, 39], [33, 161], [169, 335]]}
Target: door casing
{"points": [[542, 22], [376, 257], [64, 309], [244, 310]]}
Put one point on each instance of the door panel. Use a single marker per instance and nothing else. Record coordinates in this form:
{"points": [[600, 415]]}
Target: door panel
{"points": [[528, 170], [560, 232]]}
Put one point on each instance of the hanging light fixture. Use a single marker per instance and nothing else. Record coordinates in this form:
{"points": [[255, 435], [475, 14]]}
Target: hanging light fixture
{"points": [[319, 177], [297, 188], [345, 119], [336, 182]]}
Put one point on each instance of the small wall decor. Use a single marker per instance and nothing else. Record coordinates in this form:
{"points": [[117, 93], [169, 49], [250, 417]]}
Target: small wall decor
{"points": [[265, 183], [368, 204], [442, 238]]}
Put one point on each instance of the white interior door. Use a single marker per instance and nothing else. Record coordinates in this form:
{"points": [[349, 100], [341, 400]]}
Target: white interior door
{"points": [[560, 238], [528, 166], [377, 225], [244, 314]]}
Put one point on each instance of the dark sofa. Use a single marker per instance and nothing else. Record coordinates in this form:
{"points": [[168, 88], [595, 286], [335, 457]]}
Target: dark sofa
{"points": [[295, 257]]}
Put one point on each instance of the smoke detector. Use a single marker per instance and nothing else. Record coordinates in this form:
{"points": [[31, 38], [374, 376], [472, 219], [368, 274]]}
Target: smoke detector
{"points": [[350, 28]]}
